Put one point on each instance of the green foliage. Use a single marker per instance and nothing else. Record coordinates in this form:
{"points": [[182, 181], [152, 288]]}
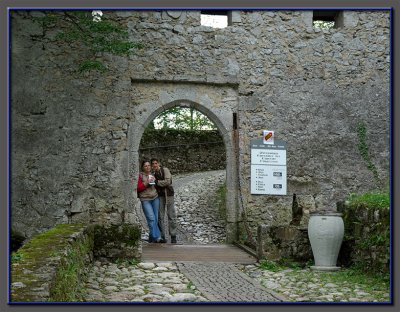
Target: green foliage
{"points": [[379, 200], [367, 228], [16, 256], [160, 137], [266, 264], [68, 283], [189, 285], [364, 151], [127, 262], [184, 118], [281, 264], [354, 278], [375, 239], [34, 256], [368, 281], [323, 24], [354, 275], [79, 29], [88, 65], [125, 233]]}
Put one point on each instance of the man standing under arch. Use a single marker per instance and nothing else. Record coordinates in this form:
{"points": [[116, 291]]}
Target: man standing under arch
{"points": [[166, 195]]}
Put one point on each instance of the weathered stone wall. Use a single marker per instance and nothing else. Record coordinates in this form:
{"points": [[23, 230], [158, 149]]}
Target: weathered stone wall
{"points": [[184, 151], [74, 151], [53, 266], [283, 242], [367, 238]]}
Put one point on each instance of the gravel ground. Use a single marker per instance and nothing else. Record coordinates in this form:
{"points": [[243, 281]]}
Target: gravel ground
{"points": [[306, 285], [199, 223]]}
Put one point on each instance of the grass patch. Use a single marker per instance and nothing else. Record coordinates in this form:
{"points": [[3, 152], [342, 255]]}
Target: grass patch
{"points": [[270, 265], [379, 200], [377, 285], [68, 285], [53, 252], [371, 282], [126, 262], [282, 264], [353, 278]]}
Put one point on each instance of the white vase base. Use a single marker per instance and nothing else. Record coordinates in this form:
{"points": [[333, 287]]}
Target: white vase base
{"points": [[324, 268]]}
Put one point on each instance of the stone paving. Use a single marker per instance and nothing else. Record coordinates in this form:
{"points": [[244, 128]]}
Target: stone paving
{"points": [[144, 282], [193, 282], [306, 285], [223, 282], [198, 218]]}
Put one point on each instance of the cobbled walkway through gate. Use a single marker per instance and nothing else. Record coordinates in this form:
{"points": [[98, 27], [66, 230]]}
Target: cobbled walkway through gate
{"points": [[182, 280], [179, 281], [223, 282]]}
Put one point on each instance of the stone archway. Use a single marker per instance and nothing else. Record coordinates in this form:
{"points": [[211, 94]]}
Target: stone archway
{"points": [[217, 103]]}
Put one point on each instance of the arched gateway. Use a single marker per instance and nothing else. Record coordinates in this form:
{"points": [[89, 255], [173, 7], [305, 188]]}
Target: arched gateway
{"points": [[218, 103]]}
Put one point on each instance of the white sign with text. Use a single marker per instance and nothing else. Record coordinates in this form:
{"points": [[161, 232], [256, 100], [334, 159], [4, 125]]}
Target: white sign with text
{"points": [[268, 180], [268, 157], [268, 168]]}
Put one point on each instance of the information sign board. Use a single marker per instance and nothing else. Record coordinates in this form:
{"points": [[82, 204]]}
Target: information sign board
{"points": [[268, 168]]}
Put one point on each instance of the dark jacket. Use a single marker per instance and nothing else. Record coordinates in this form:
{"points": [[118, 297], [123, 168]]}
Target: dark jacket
{"points": [[164, 182]]}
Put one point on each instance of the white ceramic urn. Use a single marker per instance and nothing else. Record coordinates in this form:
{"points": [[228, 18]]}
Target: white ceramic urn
{"points": [[325, 231]]}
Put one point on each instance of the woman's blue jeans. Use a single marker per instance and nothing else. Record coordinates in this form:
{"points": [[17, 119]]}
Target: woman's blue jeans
{"points": [[150, 209]]}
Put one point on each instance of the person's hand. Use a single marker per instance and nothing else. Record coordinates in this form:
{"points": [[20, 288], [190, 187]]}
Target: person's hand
{"points": [[152, 179]]}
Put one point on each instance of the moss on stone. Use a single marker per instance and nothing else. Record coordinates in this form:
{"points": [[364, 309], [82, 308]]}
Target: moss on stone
{"points": [[43, 250], [67, 285], [367, 232], [52, 266], [117, 241], [124, 234]]}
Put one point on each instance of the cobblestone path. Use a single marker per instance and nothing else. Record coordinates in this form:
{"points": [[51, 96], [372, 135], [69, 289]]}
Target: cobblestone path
{"points": [[223, 282], [182, 281]]}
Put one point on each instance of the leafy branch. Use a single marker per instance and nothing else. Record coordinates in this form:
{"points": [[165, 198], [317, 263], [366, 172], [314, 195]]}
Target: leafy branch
{"points": [[79, 28]]}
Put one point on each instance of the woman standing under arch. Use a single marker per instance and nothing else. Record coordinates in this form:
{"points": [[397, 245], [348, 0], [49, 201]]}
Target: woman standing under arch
{"points": [[148, 196]]}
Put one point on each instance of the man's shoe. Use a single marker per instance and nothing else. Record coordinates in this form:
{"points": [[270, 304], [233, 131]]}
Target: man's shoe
{"points": [[161, 240], [173, 239]]}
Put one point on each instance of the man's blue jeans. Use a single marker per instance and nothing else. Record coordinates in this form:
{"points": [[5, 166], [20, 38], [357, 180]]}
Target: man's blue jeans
{"points": [[150, 209]]}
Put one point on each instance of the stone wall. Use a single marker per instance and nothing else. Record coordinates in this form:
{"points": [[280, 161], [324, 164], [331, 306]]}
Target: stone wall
{"points": [[366, 241], [75, 137], [53, 265], [117, 242], [277, 243], [184, 151], [367, 238]]}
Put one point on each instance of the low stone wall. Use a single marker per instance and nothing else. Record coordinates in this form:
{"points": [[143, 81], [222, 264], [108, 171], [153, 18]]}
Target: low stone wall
{"points": [[367, 238], [366, 242], [283, 242], [117, 242], [184, 150], [36, 267], [53, 265]]}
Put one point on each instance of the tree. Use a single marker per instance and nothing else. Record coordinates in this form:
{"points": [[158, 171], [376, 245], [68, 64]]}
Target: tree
{"points": [[91, 31], [183, 118]]}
